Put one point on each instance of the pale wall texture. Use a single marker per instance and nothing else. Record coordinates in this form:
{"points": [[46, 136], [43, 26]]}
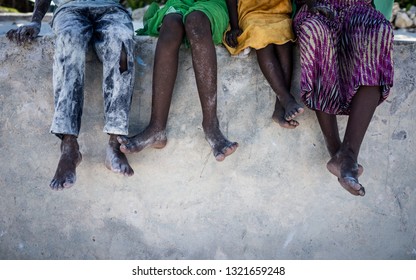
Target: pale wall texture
{"points": [[272, 199]]}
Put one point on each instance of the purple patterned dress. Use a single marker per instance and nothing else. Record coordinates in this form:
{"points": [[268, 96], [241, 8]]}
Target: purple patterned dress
{"points": [[341, 54]]}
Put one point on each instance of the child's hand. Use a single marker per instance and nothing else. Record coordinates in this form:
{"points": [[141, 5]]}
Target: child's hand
{"points": [[323, 11], [25, 33], [309, 3], [231, 37]]}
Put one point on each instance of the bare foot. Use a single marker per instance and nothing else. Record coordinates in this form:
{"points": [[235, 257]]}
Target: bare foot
{"points": [[336, 170], [65, 175], [115, 160], [279, 117], [146, 138], [292, 110], [352, 186], [344, 166], [221, 146]]}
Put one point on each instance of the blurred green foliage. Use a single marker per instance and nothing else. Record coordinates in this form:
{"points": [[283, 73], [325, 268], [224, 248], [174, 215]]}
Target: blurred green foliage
{"points": [[8, 10], [23, 6], [406, 3]]}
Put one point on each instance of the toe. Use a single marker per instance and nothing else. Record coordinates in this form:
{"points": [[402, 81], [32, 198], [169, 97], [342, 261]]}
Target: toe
{"points": [[124, 149], [122, 139], [361, 191], [352, 186], [293, 123], [219, 156], [52, 184]]}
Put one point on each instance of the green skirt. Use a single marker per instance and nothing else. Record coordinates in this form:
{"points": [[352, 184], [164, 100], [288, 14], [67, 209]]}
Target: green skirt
{"points": [[215, 10]]}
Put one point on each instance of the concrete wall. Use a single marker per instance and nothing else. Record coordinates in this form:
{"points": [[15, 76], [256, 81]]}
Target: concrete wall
{"points": [[272, 199]]}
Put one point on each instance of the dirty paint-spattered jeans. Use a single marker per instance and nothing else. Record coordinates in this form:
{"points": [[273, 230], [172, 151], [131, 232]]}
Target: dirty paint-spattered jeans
{"points": [[110, 31]]}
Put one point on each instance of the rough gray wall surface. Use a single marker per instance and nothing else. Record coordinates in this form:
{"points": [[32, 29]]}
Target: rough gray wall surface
{"points": [[272, 199]]}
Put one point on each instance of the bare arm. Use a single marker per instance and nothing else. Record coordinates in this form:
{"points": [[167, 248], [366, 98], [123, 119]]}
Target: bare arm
{"points": [[310, 3], [315, 8], [30, 31], [41, 7], [235, 31]]}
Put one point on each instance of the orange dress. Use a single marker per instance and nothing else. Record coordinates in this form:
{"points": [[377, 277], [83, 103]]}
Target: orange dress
{"points": [[263, 22]]}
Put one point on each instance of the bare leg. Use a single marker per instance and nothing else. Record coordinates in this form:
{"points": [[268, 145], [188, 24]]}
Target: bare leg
{"points": [[279, 116], [65, 175], [115, 160], [277, 74], [164, 75], [204, 59], [284, 54], [329, 127], [344, 162]]}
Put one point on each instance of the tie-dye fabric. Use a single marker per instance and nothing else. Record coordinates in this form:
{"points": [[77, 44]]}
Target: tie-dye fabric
{"points": [[62, 4], [110, 31], [341, 54]]}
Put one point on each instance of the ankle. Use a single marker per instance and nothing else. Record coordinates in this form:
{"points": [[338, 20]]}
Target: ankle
{"points": [[113, 138], [69, 142], [154, 128], [69, 138], [69, 145], [333, 150], [348, 151], [210, 126], [285, 98]]}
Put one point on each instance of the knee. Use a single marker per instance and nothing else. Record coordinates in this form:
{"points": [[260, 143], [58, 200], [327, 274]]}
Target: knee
{"points": [[71, 38], [172, 31], [197, 26], [312, 31], [313, 26], [115, 33], [68, 45]]}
